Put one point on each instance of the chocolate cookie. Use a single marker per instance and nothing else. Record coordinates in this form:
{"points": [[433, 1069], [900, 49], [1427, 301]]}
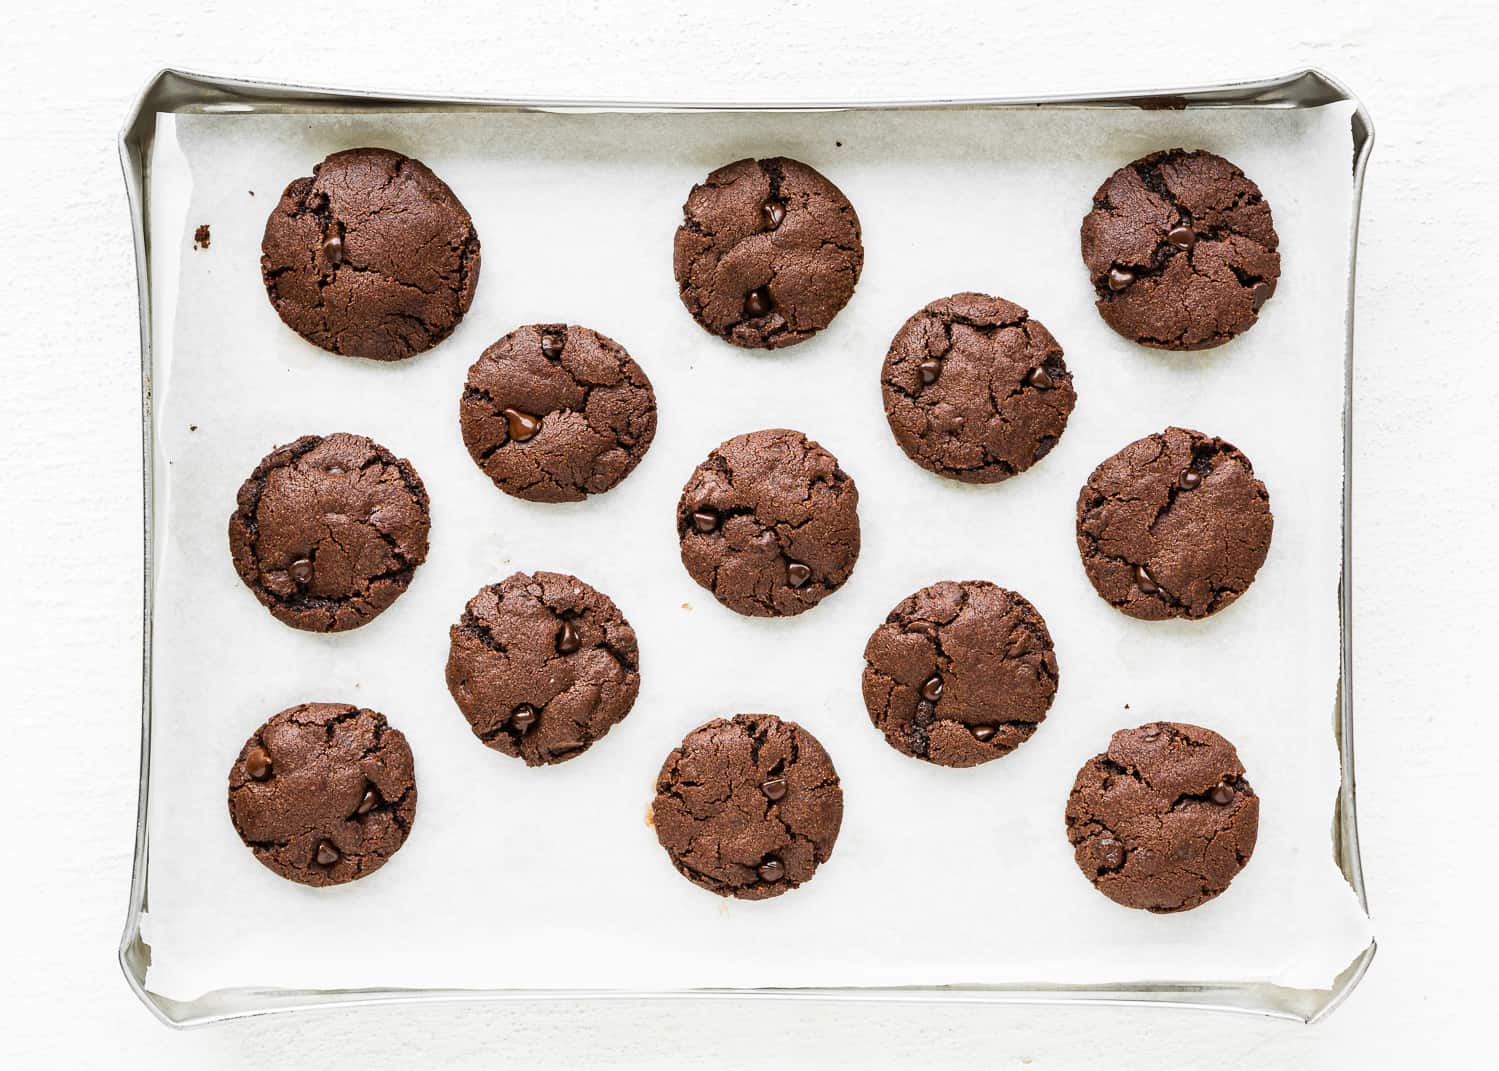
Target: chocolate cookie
{"points": [[975, 389], [1173, 525], [748, 807], [960, 673], [554, 413], [767, 253], [329, 531], [1181, 249], [371, 256], [323, 793], [769, 523], [1164, 819], [542, 665]]}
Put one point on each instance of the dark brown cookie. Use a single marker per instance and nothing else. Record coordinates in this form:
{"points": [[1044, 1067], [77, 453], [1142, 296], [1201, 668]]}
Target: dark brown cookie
{"points": [[542, 665], [1164, 819], [1173, 525], [554, 413], [960, 673], [323, 793], [329, 531], [748, 807], [769, 523], [768, 252], [975, 389], [1181, 249], [371, 256]]}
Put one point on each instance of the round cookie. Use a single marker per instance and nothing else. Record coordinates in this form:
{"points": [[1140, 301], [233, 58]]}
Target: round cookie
{"points": [[542, 665], [768, 252], [329, 531], [323, 793], [960, 673], [769, 523], [975, 389], [748, 807], [1173, 525], [1164, 819], [370, 256], [554, 413], [1181, 249]]}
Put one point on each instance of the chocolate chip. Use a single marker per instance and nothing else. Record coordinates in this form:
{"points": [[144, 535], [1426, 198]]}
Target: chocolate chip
{"points": [[300, 571], [1182, 237], [772, 869], [797, 574], [1111, 853], [566, 746], [772, 213], [1222, 794], [551, 347], [523, 717], [930, 370], [931, 691], [521, 426], [775, 788], [370, 801], [705, 520], [1150, 732], [757, 302], [1043, 447], [1040, 379], [1189, 480], [568, 639], [258, 763], [1119, 278], [333, 244], [983, 733], [1144, 581], [1260, 293], [327, 854]]}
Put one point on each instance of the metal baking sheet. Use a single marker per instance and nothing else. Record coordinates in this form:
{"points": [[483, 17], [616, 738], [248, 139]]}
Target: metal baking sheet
{"points": [[579, 142]]}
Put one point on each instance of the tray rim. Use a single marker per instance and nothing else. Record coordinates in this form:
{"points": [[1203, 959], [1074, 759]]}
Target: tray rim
{"points": [[179, 91]]}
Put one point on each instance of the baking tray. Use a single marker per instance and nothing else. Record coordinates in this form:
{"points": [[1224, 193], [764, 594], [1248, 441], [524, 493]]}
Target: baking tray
{"points": [[181, 93]]}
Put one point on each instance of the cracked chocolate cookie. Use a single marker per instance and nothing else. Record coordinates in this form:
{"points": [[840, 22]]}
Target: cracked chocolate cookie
{"points": [[1173, 525], [975, 389], [329, 531], [542, 665], [1164, 819], [1181, 249], [370, 256], [960, 673], [323, 793], [769, 523], [748, 807], [768, 252], [554, 413]]}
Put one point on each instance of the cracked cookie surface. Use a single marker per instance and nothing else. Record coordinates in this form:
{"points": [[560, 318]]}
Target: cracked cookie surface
{"points": [[748, 807], [1164, 819], [1181, 249], [768, 252], [1173, 525], [370, 256], [329, 531], [975, 389], [769, 523], [542, 666], [960, 673], [323, 793], [555, 412]]}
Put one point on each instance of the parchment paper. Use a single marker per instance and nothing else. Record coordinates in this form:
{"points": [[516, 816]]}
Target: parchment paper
{"points": [[550, 878]]}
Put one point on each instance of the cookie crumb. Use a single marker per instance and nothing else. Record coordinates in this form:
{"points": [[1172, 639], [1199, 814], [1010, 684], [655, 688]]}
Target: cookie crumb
{"points": [[192, 427], [201, 237]]}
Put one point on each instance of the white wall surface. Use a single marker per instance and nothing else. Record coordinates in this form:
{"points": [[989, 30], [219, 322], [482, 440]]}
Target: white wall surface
{"points": [[1426, 385]]}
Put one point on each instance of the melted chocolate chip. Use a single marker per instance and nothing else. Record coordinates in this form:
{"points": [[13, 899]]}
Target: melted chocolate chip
{"points": [[370, 801], [1150, 732], [797, 574], [757, 302], [551, 347], [1119, 278], [523, 717], [1040, 379], [1111, 853], [931, 691], [1189, 480], [930, 370], [1222, 794], [300, 571], [1182, 237], [258, 763], [772, 869], [333, 244], [705, 520], [568, 639], [775, 788], [772, 213], [327, 854], [1144, 581], [1260, 293], [520, 426], [983, 733]]}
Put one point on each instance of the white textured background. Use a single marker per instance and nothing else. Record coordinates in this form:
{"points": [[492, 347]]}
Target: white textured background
{"points": [[1426, 387]]}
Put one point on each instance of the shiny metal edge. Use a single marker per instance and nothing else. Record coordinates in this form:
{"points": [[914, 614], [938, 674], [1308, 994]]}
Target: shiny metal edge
{"points": [[179, 91]]}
